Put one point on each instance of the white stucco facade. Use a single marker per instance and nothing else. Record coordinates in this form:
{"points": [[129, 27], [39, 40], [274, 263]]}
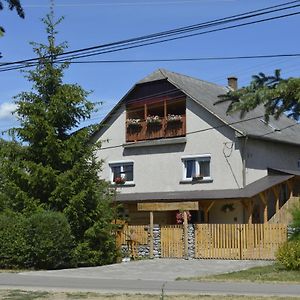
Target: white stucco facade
{"points": [[160, 167]]}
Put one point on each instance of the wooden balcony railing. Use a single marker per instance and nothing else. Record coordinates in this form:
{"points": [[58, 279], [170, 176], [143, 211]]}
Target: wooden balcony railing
{"points": [[149, 131]]}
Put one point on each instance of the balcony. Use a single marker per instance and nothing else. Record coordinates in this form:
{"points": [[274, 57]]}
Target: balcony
{"points": [[157, 129]]}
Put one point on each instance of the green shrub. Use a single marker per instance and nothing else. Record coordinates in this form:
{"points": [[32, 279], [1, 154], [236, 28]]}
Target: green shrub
{"points": [[49, 241], [296, 222], [12, 242], [288, 255], [84, 256], [98, 247]]}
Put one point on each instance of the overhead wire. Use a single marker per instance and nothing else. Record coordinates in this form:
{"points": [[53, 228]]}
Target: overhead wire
{"points": [[137, 42]]}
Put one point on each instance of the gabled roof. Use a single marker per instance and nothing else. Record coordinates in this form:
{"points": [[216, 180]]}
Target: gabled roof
{"points": [[206, 94]]}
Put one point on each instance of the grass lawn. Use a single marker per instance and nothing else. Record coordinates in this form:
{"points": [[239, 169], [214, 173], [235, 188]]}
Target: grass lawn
{"points": [[31, 295], [271, 273]]}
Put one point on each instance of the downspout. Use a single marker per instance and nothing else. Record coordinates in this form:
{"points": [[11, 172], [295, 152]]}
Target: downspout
{"points": [[244, 155]]}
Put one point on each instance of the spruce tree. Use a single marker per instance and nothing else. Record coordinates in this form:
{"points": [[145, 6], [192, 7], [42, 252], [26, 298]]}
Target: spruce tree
{"points": [[277, 96], [50, 165]]}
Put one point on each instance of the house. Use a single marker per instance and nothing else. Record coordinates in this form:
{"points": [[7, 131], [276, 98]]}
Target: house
{"points": [[171, 148]]}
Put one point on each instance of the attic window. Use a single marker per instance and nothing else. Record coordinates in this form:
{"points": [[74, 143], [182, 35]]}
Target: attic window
{"points": [[273, 127]]}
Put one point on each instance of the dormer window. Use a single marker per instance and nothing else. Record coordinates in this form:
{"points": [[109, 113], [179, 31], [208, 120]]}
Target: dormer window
{"points": [[155, 119]]}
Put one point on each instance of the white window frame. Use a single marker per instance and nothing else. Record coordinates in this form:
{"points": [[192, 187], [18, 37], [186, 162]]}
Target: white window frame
{"points": [[198, 158], [121, 164]]}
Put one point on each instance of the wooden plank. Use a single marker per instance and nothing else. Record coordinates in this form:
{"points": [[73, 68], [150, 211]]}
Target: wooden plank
{"points": [[165, 206]]}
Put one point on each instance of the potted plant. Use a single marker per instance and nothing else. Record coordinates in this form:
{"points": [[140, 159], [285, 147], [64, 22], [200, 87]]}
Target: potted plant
{"points": [[180, 217], [171, 118], [134, 123], [198, 177], [153, 120], [119, 180], [227, 207]]}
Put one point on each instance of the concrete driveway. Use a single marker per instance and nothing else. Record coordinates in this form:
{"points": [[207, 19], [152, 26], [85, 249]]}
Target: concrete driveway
{"points": [[162, 269]]}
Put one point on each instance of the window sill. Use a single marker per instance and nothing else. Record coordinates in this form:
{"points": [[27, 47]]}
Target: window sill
{"points": [[123, 185], [209, 180]]}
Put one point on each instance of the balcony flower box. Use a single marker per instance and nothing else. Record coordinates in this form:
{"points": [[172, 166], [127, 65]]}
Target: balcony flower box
{"points": [[133, 123], [174, 118], [153, 120]]}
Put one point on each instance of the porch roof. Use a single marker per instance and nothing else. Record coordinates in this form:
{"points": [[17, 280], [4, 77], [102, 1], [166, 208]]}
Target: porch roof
{"points": [[249, 191]]}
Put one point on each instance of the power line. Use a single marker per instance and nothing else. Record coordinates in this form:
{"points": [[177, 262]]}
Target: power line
{"points": [[188, 59], [124, 44], [3, 69], [180, 37], [115, 3]]}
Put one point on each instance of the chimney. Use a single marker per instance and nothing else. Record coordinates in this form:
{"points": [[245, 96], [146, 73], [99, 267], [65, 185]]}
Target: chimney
{"points": [[233, 82]]}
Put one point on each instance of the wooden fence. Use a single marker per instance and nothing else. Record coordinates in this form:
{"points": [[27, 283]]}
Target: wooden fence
{"points": [[136, 233], [238, 241], [171, 240], [219, 241]]}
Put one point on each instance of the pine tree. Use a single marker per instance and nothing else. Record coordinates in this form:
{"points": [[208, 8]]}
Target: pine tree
{"points": [[50, 165], [276, 94]]}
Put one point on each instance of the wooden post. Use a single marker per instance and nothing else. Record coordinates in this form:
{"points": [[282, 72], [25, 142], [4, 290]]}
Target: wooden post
{"points": [[276, 194], [145, 111], [264, 199], [151, 235], [185, 235], [290, 188], [206, 210], [250, 211]]}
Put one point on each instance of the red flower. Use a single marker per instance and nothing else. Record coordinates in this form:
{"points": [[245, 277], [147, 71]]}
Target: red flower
{"points": [[180, 218]]}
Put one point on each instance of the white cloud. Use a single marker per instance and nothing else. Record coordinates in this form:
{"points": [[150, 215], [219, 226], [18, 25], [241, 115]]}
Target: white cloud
{"points": [[6, 110]]}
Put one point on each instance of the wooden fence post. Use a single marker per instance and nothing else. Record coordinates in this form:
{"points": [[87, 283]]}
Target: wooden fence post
{"points": [[185, 235], [151, 235]]}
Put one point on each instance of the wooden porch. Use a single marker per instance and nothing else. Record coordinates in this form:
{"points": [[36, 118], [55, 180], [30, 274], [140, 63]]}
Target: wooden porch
{"points": [[262, 230]]}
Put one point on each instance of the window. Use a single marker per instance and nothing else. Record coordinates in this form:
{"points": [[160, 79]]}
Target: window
{"points": [[121, 172], [196, 167]]}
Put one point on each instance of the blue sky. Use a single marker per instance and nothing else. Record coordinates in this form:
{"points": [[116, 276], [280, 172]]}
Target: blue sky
{"points": [[94, 22]]}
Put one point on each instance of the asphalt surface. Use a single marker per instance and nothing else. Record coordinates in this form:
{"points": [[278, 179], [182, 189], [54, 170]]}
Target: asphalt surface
{"points": [[147, 277]]}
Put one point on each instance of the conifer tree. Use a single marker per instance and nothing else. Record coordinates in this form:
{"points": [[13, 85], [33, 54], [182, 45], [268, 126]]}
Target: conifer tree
{"points": [[50, 165], [276, 94]]}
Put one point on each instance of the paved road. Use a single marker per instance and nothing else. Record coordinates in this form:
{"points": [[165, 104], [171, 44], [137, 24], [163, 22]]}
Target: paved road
{"points": [[164, 269], [141, 279]]}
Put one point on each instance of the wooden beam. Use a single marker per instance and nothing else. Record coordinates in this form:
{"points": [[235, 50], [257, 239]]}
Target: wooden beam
{"points": [[145, 111], [276, 194], [264, 199], [250, 211], [165, 206], [290, 186], [185, 235], [151, 235], [207, 209], [210, 205]]}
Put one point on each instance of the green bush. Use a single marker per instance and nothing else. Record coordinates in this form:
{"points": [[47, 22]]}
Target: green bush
{"points": [[98, 247], [12, 241], [288, 255], [49, 241], [85, 256], [296, 223]]}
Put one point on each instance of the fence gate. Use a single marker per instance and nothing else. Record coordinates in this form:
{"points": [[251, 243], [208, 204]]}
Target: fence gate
{"points": [[242, 241], [172, 244]]}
